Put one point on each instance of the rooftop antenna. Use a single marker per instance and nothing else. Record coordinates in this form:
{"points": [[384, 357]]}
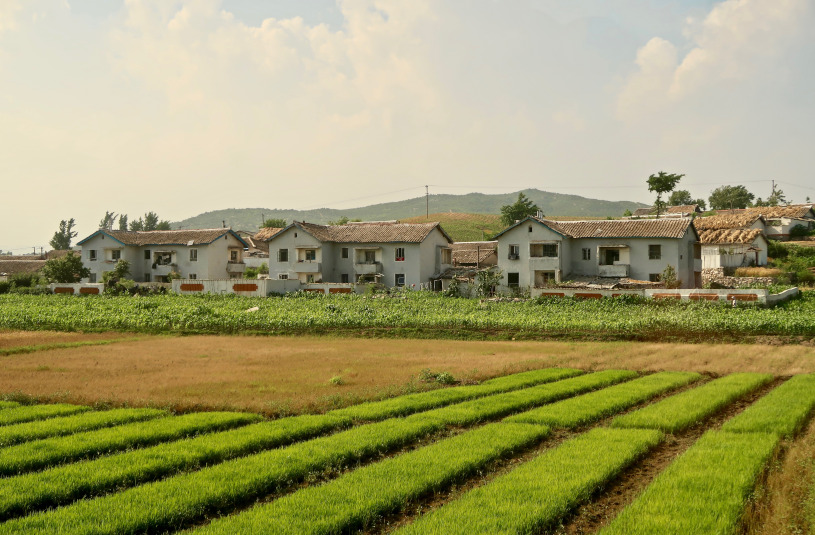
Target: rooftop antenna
{"points": [[223, 222]]}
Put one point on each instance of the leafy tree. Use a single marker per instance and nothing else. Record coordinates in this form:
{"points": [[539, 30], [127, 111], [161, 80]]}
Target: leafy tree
{"points": [[150, 221], [343, 220], [163, 225], [727, 197], [274, 223], [702, 204], [520, 209], [627, 213], [123, 222], [107, 221], [116, 281], [62, 238], [680, 197], [67, 269], [661, 183], [776, 198], [486, 280]]}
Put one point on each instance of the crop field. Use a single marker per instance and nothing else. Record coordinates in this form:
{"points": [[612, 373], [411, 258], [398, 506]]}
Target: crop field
{"points": [[540, 451]]}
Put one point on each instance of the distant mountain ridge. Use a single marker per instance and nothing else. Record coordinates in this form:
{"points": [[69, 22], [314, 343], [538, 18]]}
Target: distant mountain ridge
{"points": [[552, 205]]}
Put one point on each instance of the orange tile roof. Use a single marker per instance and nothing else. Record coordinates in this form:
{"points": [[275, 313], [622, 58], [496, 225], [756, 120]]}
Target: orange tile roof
{"points": [[793, 211], [473, 252], [622, 228], [726, 221], [729, 236]]}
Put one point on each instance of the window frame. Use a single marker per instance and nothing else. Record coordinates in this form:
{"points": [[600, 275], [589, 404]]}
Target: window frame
{"points": [[344, 252], [282, 255], [514, 251], [516, 276], [654, 251], [194, 255], [397, 256], [116, 255], [92, 255], [396, 279], [586, 253], [147, 254]]}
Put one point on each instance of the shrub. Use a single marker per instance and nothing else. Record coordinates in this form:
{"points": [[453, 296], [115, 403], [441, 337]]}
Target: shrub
{"points": [[250, 273], [4, 287], [24, 280], [758, 272]]}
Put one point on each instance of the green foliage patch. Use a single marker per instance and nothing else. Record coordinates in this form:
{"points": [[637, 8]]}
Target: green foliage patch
{"points": [[784, 411], [29, 413]]}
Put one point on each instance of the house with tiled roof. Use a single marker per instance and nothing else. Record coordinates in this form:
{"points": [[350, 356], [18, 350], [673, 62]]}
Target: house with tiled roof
{"points": [[154, 255], [732, 248], [476, 254], [780, 220], [537, 252], [386, 252]]}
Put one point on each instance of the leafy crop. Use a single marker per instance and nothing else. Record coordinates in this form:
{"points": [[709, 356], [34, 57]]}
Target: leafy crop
{"points": [[357, 498], [537, 494], [8, 404], [783, 411], [703, 491], [590, 407], [683, 410], [38, 429], [29, 413]]}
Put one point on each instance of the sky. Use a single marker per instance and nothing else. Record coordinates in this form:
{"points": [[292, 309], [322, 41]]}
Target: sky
{"points": [[182, 107]]}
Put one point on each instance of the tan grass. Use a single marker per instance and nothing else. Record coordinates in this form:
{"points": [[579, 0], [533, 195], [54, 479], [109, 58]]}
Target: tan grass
{"points": [[293, 374], [757, 272], [9, 339]]}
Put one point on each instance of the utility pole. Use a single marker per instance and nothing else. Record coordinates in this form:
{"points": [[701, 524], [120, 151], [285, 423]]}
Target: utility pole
{"points": [[427, 202]]}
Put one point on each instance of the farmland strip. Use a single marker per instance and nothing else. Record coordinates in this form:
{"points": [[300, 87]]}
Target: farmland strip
{"points": [[29, 413], [87, 421], [59, 345], [411, 403], [588, 408], [358, 497], [703, 491], [679, 412], [60, 450], [179, 500], [539, 493], [783, 411], [8, 404]]}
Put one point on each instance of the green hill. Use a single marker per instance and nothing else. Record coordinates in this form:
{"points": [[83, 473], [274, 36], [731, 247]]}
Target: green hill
{"points": [[464, 227], [552, 205]]}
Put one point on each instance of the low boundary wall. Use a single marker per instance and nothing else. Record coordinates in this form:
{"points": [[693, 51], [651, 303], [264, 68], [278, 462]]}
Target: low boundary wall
{"points": [[758, 296], [256, 287], [79, 288]]}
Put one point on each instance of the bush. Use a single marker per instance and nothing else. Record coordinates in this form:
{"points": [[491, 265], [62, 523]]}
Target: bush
{"points": [[444, 378], [758, 272], [4, 287], [34, 290], [24, 280], [799, 231], [250, 273]]}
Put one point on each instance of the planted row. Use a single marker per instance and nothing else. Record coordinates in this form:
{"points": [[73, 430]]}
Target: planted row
{"points": [[50, 451], [411, 403], [784, 411], [8, 404], [679, 412], [357, 498], [29, 413], [184, 498], [13, 434], [703, 491], [536, 495], [582, 410]]}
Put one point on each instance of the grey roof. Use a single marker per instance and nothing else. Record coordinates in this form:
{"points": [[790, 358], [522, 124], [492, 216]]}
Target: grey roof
{"points": [[374, 232], [140, 238]]}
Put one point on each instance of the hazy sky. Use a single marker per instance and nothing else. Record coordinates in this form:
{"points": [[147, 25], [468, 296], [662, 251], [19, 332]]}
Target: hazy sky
{"points": [[188, 106]]}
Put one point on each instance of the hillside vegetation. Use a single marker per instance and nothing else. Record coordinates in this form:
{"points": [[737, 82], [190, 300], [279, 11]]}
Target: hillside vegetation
{"points": [[464, 227], [552, 205]]}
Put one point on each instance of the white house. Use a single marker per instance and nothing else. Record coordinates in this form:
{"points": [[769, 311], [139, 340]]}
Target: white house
{"points": [[390, 253], [536, 252], [153, 255], [733, 248]]}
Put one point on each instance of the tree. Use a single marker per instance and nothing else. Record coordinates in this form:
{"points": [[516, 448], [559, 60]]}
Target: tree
{"points": [[150, 221], [274, 223], [702, 204], [67, 269], [680, 197], [62, 238], [729, 197], [123, 222], [776, 198], [520, 209], [107, 221], [661, 183]]}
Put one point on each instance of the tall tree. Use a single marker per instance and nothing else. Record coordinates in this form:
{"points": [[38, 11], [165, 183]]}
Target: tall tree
{"points": [[150, 221], [680, 197], [520, 209], [123, 222], [62, 238], [107, 221], [730, 197], [274, 222], [67, 269], [662, 182]]}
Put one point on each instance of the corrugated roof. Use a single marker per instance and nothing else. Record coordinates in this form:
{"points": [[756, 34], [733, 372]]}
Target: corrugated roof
{"points": [[726, 221], [166, 237], [378, 232], [729, 236], [622, 228], [794, 211], [680, 209], [473, 252]]}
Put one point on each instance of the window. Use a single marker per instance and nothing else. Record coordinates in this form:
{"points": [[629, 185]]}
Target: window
{"points": [[147, 277], [92, 255], [92, 277], [233, 256], [163, 259], [370, 257], [116, 254], [192, 276], [311, 255], [654, 252], [194, 255], [586, 253], [310, 279], [283, 255], [550, 250], [345, 252], [399, 279], [147, 255], [655, 277], [513, 280], [514, 252], [344, 278], [530, 228], [282, 276], [400, 254], [446, 256]]}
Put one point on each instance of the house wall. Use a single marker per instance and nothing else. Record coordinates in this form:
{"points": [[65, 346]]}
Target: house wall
{"points": [[734, 255], [526, 266]]}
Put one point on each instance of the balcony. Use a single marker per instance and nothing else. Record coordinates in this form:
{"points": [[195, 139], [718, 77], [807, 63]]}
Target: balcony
{"points": [[368, 268], [544, 263], [308, 266], [617, 270], [235, 267], [162, 270]]}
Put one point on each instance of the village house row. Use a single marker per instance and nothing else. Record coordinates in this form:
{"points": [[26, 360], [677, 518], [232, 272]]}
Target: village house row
{"points": [[532, 253]]}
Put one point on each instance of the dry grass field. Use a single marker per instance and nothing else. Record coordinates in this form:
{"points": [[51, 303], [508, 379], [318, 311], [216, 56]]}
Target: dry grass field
{"points": [[277, 375]]}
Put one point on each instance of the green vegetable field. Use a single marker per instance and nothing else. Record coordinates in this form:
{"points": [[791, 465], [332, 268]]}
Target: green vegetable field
{"points": [[519, 454], [419, 314]]}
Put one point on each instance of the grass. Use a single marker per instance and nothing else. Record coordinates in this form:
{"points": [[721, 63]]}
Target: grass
{"points": [[588, 408], [356, 499], [784, 411], [18, 350], [16, 415], [50, 451], [757, 272], [703, 491], [688, 408], [462, 226], [8, 404], [537, 494], [87, 421], [408, 404]]}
